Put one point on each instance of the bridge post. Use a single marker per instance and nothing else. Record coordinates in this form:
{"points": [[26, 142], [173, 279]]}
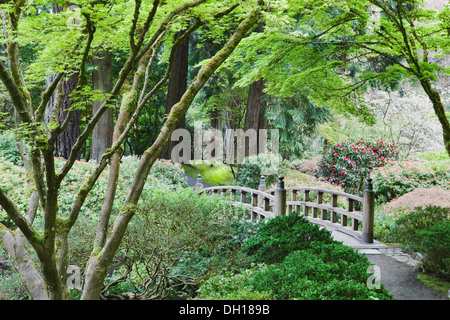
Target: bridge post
{"points": [[368, 213], [280, 198], [199, 184], [261, 187]]}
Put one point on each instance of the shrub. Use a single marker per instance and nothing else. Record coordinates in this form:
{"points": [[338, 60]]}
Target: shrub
{"points": [[8, 148], [269, 165], [349, 164], [421, 197], [384, 225], [323, 271], [162, 171], [280, 236], [398, 178], [427, 230], [176, 239], [309, 166], [233, 286]]}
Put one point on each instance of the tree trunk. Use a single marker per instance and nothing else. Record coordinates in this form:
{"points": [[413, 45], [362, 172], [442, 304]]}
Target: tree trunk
{"points": [[68, 137], [439, 110], [254, 115], [17, 248], [102, 81], [177, 87]]}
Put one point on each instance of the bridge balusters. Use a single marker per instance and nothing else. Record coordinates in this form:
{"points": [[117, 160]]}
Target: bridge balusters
{"points": [[243, 196], [349, 209], [355, 224], [266, 204], [334, 204], [254, 200], [319, 201], [306, 199], [275, 203]]}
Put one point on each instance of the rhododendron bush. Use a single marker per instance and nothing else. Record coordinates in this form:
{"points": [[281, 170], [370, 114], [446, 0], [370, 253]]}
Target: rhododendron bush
{"points": [[348, 164]]}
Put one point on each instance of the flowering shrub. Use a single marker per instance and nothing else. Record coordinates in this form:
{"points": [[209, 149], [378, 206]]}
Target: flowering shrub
{"points": [[348, 164]]}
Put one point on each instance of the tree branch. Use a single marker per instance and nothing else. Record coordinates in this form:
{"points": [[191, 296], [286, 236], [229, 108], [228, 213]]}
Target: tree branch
{"points": [[14, 214]]}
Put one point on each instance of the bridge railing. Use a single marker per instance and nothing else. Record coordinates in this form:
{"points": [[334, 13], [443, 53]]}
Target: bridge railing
{"points": [[355, 217], [258, 203]]}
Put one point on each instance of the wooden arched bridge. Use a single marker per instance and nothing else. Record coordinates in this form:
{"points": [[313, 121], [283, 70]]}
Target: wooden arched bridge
{"points": [[341, 211]]}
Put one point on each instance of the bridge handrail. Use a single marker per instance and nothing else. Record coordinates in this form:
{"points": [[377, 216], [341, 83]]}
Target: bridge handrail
{"points": [[331, 192], [236, 188]]}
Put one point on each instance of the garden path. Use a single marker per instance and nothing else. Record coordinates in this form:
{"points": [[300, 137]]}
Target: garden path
{"points": [[398, 270]]}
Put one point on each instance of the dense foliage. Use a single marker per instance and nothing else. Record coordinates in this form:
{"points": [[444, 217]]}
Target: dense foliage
{"points": [[302, 262], [8, 148], [400, 177], [279, 237], [177, 239], [427, 230], [271, 166]]}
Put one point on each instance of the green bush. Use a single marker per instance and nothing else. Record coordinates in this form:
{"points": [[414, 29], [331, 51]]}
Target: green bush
{"points": [[278, 237], [323, 271], [399, 178], [233, 286], [176, 239], [348, 164], [8, 148], [269, 165], [384, 226], [162, 171], [427, 230]]}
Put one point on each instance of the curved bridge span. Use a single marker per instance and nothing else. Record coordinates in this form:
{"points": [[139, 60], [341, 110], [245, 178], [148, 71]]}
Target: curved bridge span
{"points": [[341, 211]]}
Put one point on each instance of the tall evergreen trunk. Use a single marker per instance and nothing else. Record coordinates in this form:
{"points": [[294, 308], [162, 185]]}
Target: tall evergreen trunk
{"points": [[254, 115], [68, 137], [102, 80], [177, 87]]}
